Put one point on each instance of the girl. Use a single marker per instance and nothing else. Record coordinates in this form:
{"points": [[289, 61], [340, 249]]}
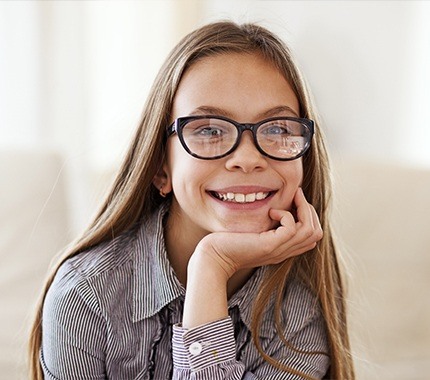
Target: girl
{"points": [[212, 256]]}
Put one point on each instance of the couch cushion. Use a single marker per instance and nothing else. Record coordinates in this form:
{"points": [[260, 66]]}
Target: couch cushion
{"points": [[381, 215], [33, 228]]}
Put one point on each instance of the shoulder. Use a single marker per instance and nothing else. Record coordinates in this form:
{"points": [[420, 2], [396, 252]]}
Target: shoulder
{"points": [[105, 257], [87, 277]]}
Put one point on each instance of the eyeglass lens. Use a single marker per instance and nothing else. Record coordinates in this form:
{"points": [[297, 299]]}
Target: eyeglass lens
{"points": [[212, 137]]}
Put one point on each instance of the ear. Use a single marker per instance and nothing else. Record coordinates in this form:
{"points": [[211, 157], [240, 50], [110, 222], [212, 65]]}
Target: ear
{"points": [[162, 181]]}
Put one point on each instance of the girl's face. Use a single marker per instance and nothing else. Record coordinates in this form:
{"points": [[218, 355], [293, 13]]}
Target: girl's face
{"points": [[245, 88]]}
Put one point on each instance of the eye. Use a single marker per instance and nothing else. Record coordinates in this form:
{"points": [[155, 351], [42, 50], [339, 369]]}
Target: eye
{"points": [[275, 130], [209, 131]]}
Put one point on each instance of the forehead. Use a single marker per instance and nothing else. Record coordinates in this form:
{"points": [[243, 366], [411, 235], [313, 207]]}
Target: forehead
{"points": [[242, 85]]}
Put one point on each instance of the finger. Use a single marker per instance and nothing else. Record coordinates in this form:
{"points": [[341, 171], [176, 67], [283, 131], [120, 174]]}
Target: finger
{"points": [[309, 231], [305, 246], [301, 250], [311, 227], [304, 214], [278, 215], [316, 222], [293, 238], [293, 251], [282, 216], [281, 236]]}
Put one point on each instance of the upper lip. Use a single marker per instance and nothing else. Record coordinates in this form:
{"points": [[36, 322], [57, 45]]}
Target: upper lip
{"points": [[244, 189]]}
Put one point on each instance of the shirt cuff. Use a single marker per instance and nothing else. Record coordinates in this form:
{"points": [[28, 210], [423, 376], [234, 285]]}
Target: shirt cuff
{"points": [[203, 346]]}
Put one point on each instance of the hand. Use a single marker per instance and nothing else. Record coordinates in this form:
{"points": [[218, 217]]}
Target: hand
{"points": [[229, 252]]}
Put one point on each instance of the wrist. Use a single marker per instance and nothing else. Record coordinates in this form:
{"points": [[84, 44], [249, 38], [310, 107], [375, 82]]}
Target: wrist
{"points": [[207, 261], [206, 291]]}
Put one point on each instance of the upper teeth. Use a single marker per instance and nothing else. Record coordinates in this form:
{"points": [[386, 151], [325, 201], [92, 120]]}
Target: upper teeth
{"points": [[242, 198]]}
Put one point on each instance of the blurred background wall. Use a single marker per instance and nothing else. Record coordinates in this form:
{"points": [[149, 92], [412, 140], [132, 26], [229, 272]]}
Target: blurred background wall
{"points": [[74, 76]]}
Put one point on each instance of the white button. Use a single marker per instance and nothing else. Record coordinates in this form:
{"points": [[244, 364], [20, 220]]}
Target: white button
{"points": [[195, 348]]}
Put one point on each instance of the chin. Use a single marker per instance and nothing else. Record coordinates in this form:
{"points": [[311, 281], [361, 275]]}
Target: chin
{"points": [[251, 227]]}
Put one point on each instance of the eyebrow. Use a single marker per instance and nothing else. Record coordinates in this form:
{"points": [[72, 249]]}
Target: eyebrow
{"points": [[208, 110], [275, 111]]}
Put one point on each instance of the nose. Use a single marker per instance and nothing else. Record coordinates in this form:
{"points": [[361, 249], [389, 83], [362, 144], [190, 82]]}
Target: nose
{"points": [[246, 156]]}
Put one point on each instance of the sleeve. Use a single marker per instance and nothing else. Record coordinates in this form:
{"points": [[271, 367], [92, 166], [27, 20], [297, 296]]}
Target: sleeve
{"points": [[73, 330], [208, 352]]}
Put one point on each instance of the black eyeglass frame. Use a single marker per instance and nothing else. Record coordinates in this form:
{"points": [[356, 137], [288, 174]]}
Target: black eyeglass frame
{"points": [[180, 122]]}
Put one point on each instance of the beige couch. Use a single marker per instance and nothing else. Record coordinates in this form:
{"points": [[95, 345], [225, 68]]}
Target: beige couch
{"points": [[380, 214], [33, 227]]}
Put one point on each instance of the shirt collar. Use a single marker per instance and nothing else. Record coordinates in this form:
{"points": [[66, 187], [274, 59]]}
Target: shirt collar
{"points": [[155, 284]]}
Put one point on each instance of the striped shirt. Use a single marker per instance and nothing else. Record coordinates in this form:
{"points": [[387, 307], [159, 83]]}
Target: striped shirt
{"points": [[115, 311]]}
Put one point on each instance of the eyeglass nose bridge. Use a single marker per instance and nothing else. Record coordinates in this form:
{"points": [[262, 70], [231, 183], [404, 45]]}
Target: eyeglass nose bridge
{"points": [[242, 127]]}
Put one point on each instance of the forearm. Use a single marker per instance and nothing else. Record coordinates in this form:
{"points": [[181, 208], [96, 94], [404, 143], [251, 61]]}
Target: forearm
{"points": [[206, 295], [204, 346]]}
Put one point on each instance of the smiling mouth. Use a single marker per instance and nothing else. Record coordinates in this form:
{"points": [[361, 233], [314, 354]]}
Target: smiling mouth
{"points": [[240, 197]]}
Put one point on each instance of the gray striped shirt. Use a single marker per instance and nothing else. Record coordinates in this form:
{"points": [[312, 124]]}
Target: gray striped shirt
{"points": [[114, 312]]}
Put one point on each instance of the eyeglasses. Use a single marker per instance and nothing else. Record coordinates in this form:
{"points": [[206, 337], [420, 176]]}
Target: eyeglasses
{"points": [[212, 137]]}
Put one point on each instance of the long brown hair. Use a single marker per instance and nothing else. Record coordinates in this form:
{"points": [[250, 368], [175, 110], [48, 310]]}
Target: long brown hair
{"points": [[133, 196]]}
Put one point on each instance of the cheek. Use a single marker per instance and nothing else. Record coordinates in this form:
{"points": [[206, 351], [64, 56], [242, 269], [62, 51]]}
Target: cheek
{"points": [[292, 178], [293, 174], [300, 174], [187, 173], [176, 159]]}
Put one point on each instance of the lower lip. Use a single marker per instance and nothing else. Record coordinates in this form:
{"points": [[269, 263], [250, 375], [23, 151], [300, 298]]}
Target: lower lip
{"points": [[243, 206]]}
